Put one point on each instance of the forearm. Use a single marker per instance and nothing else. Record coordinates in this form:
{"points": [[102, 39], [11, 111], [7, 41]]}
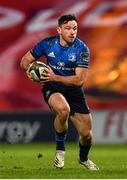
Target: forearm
{"points": [[73, 80], [69, 80]]}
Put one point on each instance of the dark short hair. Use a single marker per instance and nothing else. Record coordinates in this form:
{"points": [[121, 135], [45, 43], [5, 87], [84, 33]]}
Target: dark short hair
{"points": [[65, 18]]}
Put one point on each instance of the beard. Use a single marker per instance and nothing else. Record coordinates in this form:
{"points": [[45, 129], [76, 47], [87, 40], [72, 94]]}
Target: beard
{"points": [[67, 40]]}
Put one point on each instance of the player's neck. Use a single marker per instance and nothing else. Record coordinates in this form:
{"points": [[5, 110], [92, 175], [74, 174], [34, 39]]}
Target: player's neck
{"points": [[64, 43]]}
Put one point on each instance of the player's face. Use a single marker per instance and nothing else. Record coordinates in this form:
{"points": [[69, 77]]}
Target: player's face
{"points": [[67, 32]]}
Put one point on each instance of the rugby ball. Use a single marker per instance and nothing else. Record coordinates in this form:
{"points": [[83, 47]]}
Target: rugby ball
{"points": [[36, 70]]}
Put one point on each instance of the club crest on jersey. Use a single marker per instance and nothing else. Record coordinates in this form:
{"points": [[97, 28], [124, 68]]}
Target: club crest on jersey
{"points": [[84, 56], [72, 57]]}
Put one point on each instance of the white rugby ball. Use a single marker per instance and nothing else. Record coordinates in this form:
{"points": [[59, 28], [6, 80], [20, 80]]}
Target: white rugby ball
{"points": [[36, 70]]}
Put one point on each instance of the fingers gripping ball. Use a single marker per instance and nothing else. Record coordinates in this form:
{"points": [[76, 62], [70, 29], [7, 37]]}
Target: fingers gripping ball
{"points": [[36, 70]]}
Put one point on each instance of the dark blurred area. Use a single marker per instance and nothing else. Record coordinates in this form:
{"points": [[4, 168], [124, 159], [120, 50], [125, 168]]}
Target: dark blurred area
{"points": [[102, 25]]}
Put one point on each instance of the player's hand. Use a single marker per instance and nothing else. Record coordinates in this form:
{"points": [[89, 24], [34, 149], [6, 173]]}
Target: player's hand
{"points": [[46, 76]]}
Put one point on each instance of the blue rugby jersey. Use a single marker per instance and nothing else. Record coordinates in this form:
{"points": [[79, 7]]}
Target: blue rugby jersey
{"points": [[62, 60]]}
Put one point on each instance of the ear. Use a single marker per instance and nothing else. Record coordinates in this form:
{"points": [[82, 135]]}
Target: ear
{"points": [[58, 30]]}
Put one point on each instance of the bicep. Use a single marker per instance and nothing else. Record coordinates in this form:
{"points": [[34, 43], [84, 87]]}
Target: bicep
{"points": [[81, 73], [28, 56], [26, 60]]}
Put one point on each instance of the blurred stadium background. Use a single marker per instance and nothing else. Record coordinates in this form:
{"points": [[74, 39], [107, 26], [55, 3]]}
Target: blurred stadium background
{"points": [[24, 116]]}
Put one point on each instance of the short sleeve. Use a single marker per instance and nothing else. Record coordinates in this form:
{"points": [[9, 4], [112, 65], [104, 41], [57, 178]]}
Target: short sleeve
{"points": [[39, 49], [83, 58]]}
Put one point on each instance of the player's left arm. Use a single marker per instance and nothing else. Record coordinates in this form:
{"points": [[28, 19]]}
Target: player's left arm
{"points": [[74, 80]]}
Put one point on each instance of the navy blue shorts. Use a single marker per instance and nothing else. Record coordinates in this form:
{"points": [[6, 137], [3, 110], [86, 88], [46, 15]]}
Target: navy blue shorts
{"points": [[74, 95]]}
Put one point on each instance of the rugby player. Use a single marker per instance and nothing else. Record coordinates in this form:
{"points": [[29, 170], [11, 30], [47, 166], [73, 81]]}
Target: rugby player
{"points": [[68, 57]]}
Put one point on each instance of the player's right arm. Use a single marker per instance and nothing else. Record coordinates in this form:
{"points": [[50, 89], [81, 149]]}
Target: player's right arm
{"points": [[26, 60], [33, 54]]}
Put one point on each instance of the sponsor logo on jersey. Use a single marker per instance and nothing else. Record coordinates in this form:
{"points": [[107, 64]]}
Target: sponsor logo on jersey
{"points": [[60, 63], [84, 56], [72, 57], [51, 54], [61, 68]]}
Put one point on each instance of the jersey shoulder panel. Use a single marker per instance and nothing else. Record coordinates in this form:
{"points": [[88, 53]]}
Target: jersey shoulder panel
{"points": [[50, 40], [82, 45], [40, 48]]}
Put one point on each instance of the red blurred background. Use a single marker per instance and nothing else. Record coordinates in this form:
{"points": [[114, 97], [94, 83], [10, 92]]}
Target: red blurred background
{"points": [[102, 25]]}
